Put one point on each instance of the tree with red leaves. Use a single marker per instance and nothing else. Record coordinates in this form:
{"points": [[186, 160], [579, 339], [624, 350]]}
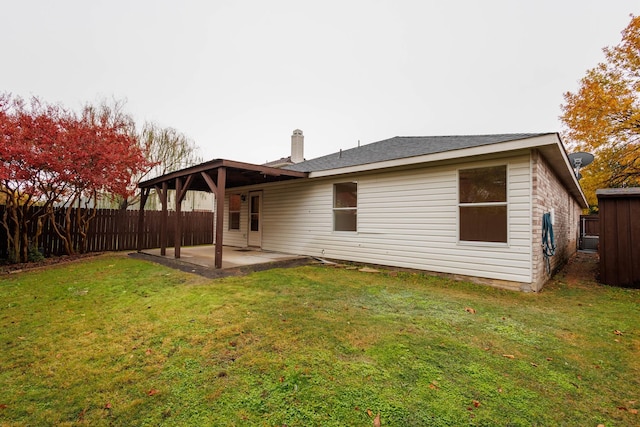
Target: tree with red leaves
{"points": [[50, 156], [29, 135]]}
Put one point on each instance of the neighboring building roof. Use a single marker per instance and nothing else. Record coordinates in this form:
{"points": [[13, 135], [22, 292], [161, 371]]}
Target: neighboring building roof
{"points": [[401, 147], [618, 192], [285, 161]]}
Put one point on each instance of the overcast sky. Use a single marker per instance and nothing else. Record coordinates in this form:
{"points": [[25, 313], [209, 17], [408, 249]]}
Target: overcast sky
{"points": [[237, 77]]}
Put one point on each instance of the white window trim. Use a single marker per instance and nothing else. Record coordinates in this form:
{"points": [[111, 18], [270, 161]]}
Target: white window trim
{"points": [[334, 209], [229, 212], [505, 203]]}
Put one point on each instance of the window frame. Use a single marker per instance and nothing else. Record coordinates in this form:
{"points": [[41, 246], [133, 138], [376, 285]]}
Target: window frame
{"points": [[234, 212], [504, 204], [336, 209]]}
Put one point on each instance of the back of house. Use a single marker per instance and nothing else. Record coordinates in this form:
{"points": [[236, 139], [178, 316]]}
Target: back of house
{"points": [[466, 206]]}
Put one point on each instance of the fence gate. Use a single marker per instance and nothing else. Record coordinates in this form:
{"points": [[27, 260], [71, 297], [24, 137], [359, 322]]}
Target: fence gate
{"points": [[589, 233]]}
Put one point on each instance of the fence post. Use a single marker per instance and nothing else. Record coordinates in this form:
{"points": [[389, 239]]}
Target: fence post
{"points": [[143, 201]]}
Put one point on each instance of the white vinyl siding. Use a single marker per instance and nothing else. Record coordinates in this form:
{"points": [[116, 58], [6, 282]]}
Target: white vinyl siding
{"points": [[406, 218]]}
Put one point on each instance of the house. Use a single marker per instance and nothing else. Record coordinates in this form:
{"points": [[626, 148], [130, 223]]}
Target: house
{"points": [[467, 206]]}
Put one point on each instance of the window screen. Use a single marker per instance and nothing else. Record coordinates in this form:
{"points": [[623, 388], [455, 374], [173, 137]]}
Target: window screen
{"points": [[483, 204], [345, 206], [234, 212]]}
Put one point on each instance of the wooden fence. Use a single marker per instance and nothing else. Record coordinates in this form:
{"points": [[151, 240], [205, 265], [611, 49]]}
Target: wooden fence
{"points": [[117, 230], [589, 225]]}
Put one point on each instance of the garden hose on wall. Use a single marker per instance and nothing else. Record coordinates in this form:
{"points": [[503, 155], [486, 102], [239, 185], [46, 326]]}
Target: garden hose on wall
{"points": [[548, 241]]}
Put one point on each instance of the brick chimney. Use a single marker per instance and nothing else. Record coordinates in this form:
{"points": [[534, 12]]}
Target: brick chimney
{"points": [[297, 146]]}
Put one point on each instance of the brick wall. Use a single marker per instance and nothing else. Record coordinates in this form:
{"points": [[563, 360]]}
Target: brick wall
{"points": [[549, 194]]}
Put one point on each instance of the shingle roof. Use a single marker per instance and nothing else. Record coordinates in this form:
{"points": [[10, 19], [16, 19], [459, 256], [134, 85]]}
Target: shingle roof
{"points": [[401, 147]]}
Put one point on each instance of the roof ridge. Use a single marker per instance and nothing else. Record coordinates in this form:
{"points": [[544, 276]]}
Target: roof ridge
{"points": [[406, 146], [472, 135]]}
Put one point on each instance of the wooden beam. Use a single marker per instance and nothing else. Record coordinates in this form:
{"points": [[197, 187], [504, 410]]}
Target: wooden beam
{"points": [[266, 170], [144, 194], [177, 237], [214, 164], [222, 182], [207, 166], [185, 188], [210, 183]]}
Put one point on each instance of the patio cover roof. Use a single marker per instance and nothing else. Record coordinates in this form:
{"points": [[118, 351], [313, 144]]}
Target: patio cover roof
{"points": [[215, 177], [238, 174]]}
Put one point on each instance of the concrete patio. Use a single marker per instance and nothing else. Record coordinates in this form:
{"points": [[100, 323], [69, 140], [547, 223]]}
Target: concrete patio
{"points": [[232, 257]]}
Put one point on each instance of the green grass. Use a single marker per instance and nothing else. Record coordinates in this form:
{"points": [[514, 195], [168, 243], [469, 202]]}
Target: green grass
{"points": [[116, 341]]}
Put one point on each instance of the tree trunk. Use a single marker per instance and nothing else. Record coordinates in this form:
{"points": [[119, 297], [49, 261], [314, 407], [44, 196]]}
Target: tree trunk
{"points": [[9, 217], [13, 224], [84, 217], [24, 232], [62, 230]]}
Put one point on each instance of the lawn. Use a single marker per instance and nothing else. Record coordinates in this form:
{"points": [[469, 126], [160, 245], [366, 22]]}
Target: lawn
{"points": [[116, 341]]}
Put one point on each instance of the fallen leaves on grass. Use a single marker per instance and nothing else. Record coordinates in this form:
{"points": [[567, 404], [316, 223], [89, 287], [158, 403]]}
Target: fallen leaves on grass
{"points": [[509, 356], [617, 332], [153, 392], [470, 310], [476, 403], [376, 420]]}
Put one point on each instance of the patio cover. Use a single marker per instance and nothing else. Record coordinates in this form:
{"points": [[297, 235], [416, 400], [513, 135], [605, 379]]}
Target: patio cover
{"points": [[214, 176]]}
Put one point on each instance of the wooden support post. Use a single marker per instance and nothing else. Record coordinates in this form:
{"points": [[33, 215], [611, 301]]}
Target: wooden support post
{"points": [[177, 239], [162, 193], [143, 200], [222, 182]]}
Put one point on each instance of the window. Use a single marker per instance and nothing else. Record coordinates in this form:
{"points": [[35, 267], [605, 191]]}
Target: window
{"points": [[234, 212], [483, 204], [345, 206], [254, 213]]}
